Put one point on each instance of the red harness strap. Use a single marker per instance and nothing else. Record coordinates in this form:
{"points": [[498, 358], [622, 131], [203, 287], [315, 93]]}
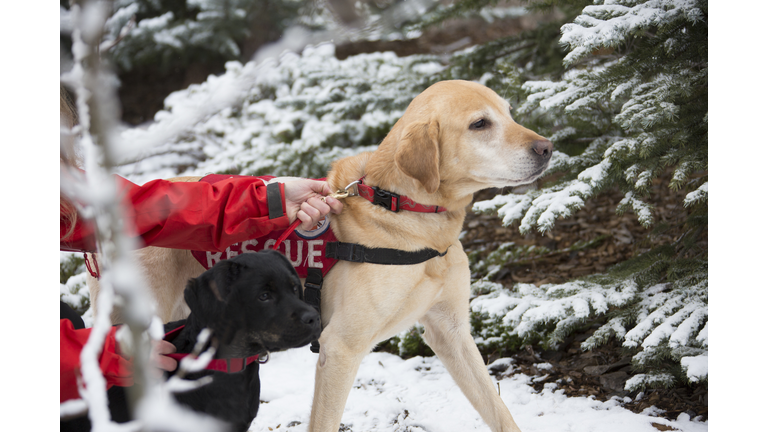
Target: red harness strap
{"points": [[222, 365]]}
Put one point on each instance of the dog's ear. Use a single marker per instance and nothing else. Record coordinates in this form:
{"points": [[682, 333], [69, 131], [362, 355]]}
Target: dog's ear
{"points": [[225, 273], [200, 297], [418, 154], [212, 287]]}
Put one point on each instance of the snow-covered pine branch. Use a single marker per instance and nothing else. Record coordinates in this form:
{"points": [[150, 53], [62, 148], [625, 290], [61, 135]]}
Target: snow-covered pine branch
{"points": [[640, 111], [297, 116], [667, 320], [620, 118], [611, 23]]}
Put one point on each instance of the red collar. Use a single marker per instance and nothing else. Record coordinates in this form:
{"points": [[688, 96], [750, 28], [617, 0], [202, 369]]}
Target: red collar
{"points": [[392, 201], [222, 365]]}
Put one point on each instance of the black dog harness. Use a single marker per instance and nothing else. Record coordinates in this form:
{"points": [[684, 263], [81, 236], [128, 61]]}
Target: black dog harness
{"points": [[393, 202], [358, 253]]}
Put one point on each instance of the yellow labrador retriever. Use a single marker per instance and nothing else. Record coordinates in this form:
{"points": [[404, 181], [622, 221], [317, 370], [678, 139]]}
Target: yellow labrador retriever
{"points": [[455, 138]]}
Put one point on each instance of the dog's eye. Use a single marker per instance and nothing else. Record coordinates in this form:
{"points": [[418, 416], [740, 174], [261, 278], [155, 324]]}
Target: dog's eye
{"points": [[480, 124], [265, 296]]}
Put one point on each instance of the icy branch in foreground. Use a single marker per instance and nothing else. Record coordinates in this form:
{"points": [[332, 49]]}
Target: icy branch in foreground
{"points": [[98, 114]]}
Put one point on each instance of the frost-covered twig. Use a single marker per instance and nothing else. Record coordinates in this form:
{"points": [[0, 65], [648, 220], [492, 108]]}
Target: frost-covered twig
{"points": [[87, 21], [108, 45], [197, 360], [98, 115]]}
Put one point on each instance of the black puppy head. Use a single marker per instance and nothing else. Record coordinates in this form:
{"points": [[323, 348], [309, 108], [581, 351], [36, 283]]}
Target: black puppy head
{"points": [[253, 303]]}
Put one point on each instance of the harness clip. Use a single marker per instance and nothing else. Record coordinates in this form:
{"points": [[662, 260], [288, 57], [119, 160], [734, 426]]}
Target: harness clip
{"points": [[388, 200], [349, 191]]}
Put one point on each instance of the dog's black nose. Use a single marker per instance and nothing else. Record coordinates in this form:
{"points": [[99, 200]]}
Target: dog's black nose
{"points": [[309, 317], [543, 148]]}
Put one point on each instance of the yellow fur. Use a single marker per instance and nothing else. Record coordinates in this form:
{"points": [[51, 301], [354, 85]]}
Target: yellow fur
{"points": [[433, 156]]}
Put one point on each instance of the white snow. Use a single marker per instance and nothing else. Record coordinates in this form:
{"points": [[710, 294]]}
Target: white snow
{"points": [[696, 367], [698, 195], [418, 394], [610, 24]]}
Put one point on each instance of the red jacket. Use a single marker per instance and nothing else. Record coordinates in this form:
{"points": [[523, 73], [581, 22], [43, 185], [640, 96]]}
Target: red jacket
{"points": [[191, 215], [116, 368], [179, 215]]}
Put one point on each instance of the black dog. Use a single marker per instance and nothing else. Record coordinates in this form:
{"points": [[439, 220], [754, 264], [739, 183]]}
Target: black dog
{"points": [[253, 305]]}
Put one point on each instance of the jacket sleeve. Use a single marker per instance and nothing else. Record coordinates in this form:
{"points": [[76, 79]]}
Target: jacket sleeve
{"points": [[116, 369], [195, 215]]}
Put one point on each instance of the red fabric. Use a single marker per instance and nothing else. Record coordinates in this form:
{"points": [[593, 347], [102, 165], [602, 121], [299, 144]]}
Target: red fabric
{"points": [[189, 215], [116, 369], [181, 215], [305, 249], [302, 251]]}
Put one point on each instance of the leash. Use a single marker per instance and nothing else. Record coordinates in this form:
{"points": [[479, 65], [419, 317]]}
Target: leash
{"points": [[95, 273], [377, 196], [350, 190], [285, 235], [230, 365], [393, 202]]}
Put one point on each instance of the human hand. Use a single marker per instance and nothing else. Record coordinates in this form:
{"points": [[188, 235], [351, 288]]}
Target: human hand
{"points": [[158, 359], [303, 201]]}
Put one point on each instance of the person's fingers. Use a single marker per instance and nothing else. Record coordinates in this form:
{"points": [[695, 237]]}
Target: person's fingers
{"points": [[306, 220], [335, 205], [313, 215], [164, 347], [158, 359], [320, 187], [321, 205], [305, 195], [165, 363]]}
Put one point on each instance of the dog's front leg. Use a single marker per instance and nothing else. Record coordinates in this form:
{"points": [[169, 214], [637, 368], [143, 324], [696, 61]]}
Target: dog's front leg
{"points": [[337, 366], [447, 333]]}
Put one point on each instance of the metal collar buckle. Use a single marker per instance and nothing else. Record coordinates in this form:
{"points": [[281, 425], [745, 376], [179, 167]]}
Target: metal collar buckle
{"points": [[349, 191]]}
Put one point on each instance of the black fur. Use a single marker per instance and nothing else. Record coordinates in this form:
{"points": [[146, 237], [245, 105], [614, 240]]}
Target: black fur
{"points": [[252, 303]]}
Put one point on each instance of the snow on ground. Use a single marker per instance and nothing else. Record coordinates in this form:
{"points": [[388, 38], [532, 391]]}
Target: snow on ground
{"points": [[418, 395]]}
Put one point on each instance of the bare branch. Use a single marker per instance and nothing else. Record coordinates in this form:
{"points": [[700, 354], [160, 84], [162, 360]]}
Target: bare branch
{"points": [[108, 45]]}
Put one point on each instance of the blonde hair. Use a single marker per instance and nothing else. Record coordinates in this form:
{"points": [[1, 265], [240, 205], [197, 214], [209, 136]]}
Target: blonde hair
{"points": [[69, 120], [68, 158]]}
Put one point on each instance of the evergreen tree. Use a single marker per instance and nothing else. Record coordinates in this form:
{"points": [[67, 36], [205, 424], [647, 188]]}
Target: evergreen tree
{"points": [[174, 33], [629, 105], [165, 34], [295, 117], [620, 87]]}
